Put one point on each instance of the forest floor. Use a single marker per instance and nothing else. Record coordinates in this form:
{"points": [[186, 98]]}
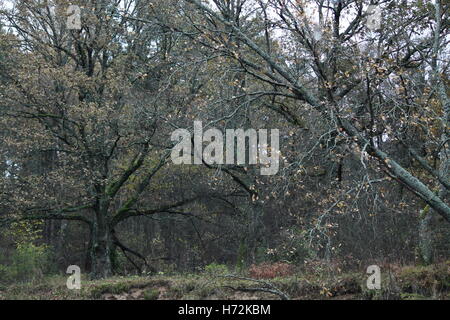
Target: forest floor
{"points": [[407, 283]]}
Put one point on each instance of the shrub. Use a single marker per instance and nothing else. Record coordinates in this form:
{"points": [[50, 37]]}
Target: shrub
{"points": [[151, 294], [271, 270], [29, 262], [5, 274], [425, 280], [216, 269]]}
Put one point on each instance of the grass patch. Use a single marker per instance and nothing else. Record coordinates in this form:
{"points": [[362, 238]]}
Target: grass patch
{"points": [[151, 294]]}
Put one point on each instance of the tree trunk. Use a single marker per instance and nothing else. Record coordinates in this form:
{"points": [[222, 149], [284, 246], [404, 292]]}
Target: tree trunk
{"points": [[101, 243], [426, 236], [256, 231], [60, 240], [100, 262]]}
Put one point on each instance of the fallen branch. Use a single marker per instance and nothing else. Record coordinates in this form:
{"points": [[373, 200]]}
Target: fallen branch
{"points": [[137, 254], [267, 287]]}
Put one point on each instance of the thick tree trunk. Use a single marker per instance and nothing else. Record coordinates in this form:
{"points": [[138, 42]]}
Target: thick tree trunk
{"points": [[100, 253], [101, 243]]}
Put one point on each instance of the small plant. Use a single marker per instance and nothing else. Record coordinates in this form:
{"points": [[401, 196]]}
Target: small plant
{"points": [[216, 269], [151, 294]]}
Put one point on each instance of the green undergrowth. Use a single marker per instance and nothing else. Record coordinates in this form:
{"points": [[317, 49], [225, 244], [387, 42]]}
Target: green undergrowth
{"points": [[407, 283]]}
